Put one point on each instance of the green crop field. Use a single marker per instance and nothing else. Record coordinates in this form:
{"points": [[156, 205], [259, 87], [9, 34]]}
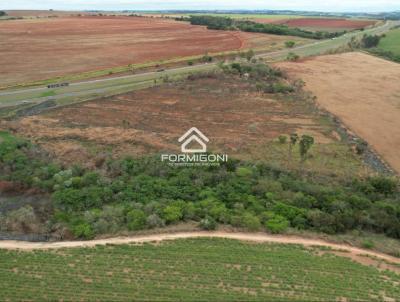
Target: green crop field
{"points": [[391, 42], [190, 270]]}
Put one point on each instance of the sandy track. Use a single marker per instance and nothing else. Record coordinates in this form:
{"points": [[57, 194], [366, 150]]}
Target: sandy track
{"points": [[255, 237]]}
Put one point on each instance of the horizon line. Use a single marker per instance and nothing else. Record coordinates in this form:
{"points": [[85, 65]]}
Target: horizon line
{"points": [[204, 10]]}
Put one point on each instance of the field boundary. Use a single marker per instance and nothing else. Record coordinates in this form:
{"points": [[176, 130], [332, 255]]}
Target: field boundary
{"points": [[370, 157], [253, 237], [137, 67]]}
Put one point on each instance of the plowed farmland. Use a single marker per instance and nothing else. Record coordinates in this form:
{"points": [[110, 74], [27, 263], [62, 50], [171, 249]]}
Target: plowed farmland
{"points": [[43, 48], [361, 90]]}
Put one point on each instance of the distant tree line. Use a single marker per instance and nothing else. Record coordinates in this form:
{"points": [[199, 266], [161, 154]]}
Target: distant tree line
{"points": [[2, 13], [224, 23], [135, 194]]}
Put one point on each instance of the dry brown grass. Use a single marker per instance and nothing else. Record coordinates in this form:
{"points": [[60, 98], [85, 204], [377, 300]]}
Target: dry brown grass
{"points": [[236, 118], [363, 91]]}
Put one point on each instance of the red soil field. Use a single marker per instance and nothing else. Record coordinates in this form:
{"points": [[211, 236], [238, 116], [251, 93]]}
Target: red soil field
{"points": [[38, 49], [327, 22], [236, 118]]}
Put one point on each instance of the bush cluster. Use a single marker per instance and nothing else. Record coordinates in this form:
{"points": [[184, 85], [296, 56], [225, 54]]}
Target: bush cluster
{"points": [[135, 194], [268, 79]]}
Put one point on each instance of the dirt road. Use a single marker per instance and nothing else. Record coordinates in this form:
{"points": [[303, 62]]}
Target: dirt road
{"points": [[254, 237]]}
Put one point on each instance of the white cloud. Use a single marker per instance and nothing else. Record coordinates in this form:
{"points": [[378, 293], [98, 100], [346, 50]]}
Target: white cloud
{"points": [[326, 5]]}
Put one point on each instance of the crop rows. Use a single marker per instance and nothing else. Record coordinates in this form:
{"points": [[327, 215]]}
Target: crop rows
{"points": [[195, 269]]}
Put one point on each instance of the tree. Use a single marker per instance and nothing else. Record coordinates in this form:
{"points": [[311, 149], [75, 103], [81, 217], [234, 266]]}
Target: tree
{"points": [[294, 137], [305, 144], [2, 13], [249, 54], [369, 41]]}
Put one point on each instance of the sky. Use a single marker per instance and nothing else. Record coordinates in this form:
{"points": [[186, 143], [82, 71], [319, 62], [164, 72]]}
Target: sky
{"points": [[324, 5]]}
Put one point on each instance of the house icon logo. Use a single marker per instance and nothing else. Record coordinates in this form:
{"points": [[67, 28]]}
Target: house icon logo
{"points": [[193, 135]]}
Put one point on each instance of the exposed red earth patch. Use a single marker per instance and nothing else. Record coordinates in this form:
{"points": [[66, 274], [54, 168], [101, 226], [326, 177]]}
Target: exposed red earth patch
{"points": [[36, 49]]}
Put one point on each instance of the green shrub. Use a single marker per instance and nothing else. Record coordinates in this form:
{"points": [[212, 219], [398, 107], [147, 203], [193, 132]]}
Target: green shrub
{"points": [[282, 139], [276, 223], [154, 221], [367, 244], [306, 142], [384, 185], [206, 59], [251, 222], [281, 88], [83, 231], [208, 223], [290, 44], [244, 172], [172, 214], [369, 41], [136, 220], [292, 56], [361, 147]]}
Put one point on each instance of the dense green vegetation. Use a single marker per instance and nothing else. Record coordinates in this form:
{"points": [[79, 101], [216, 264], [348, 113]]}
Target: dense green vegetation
{"points": [[391, 41], [385, 46], [224, 23], [134, 194], [374, 45], [190, 270], [389, 46], [2, 13]]}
